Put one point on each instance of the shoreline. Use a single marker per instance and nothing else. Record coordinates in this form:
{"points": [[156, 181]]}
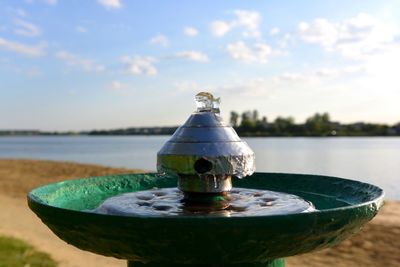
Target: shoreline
{"points": [[168, 135], [376, 245]]}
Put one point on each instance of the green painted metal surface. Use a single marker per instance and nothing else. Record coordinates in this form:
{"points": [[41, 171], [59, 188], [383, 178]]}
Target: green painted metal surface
{"points": [[344, 206], [272, 263]]}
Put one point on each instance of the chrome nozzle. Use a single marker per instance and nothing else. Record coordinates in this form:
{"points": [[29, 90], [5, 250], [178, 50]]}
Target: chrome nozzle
{"points": [[205, 152]]}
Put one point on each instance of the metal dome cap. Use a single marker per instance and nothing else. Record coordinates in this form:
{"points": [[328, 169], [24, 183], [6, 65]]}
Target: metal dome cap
{"points": [[205, 152]]}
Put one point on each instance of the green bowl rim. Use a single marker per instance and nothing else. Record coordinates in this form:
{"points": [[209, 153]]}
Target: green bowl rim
{"points": [[36, 201]]}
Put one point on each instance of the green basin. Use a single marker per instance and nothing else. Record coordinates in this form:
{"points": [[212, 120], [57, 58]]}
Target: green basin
{"points": [[343, 207]]}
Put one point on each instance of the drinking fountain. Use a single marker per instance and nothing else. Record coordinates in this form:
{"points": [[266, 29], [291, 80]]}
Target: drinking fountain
{"points": [[206, 205]]}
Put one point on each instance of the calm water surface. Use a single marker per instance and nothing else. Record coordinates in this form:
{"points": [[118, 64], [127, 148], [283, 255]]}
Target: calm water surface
{"points": [[375, 160]]}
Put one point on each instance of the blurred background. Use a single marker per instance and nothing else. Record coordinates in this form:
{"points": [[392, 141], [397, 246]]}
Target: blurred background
{"points": [[313, 87], [112, 67], [84, 65]]}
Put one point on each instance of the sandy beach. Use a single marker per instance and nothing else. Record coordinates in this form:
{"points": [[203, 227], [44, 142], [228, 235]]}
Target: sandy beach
{"points": [[375, 245]]}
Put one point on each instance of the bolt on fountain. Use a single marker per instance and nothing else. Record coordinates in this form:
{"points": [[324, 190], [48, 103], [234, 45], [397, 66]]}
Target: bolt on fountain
{"points": [[189, 214]]}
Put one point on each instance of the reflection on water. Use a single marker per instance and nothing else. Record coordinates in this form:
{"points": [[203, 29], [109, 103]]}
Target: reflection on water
{"points": [[239, 202], [375, 160]]}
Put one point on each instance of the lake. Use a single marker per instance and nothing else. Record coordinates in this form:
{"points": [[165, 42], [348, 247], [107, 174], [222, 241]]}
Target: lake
{"points": [[370, 159]]}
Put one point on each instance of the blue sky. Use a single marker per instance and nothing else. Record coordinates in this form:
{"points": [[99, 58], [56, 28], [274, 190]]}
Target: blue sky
{"points": [[78, 65]]}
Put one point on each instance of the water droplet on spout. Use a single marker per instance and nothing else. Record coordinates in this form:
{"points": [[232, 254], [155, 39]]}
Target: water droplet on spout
{"points": [[215, 182]]}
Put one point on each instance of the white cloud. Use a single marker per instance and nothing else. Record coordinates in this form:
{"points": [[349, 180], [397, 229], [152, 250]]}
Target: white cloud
{"points": [[140, 65], [51, 2], [19, 11], [354, 69], [294, 77], [357, 37], [285, 40], [190, 31], [249, 88], [76, 60], [27, 29], [117, 85], [320, 31], [23, 49], [110, 3], [327, 72], [274, 31], [159, 39], [219, 28], [284, 83], [188, 86], [259, 53], [193, 55], [80, 29], [319, 75], [248, 21], [120, 88]]}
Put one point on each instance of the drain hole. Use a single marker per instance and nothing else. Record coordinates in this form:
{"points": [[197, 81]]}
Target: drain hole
{"points": [[202, 166]]}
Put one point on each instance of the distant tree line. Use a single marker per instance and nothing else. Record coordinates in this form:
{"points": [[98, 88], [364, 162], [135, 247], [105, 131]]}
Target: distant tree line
{"points": [[249, 123], [122, 131], [136, 131], [19, 132]]}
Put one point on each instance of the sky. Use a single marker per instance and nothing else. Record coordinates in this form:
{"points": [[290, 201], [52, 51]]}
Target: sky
{"points": [[103, 64]]}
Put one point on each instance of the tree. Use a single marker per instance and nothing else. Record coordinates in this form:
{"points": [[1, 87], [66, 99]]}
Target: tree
{"points": [[234, 120], [319, 124], [283, 126], [247, 122], [255, 116], [262, 125], [264, 120]]}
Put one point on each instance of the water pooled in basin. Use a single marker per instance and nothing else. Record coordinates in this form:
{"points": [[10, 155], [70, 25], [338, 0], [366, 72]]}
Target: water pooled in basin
{"points": [[239, 202]]}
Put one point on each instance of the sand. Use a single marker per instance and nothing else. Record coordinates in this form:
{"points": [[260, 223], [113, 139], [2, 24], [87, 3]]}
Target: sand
{"points": [[376, 245]]}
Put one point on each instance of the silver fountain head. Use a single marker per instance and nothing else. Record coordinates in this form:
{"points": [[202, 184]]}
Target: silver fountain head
{"points": [[205, 152]]}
